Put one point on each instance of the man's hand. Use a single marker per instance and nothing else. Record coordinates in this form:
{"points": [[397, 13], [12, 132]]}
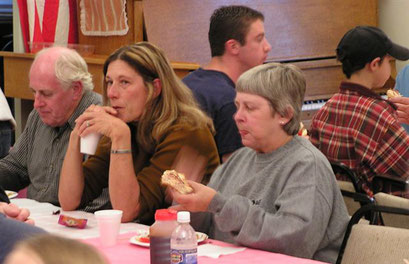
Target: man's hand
{"points": [[198, 201], [15, 212], [403, 108]]}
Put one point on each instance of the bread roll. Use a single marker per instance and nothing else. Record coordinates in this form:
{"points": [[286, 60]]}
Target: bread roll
{"points": [[392, 93], [177, 181]]}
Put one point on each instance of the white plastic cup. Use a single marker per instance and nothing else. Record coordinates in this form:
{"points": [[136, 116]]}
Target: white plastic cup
{"points": [[109, 222], [89, 143]]}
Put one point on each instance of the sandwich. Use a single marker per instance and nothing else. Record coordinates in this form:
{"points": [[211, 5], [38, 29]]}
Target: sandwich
{"points": [[176, 180], [392, 93]]}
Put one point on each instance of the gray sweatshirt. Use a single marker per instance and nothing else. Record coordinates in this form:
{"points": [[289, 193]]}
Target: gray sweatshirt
{"points": [[286, 201]]}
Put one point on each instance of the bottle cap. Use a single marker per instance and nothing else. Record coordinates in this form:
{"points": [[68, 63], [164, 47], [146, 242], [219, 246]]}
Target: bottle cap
{"points": [[183, 217], [165, 214]]}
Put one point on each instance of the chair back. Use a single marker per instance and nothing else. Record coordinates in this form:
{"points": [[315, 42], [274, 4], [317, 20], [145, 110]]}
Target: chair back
{"points": [[372, 243], [354, 196], [348, 193], [395, 220], [344, 173], [389, 184]]}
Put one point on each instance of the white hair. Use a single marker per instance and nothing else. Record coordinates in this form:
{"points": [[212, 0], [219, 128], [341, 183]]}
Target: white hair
{"points": [[70, 67]]}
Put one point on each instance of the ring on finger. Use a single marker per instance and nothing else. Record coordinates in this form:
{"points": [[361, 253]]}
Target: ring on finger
{"points": [[87, 123]]}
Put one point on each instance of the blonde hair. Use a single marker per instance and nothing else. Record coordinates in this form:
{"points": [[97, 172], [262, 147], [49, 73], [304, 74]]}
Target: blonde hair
{"points": [[175, 105], [282, 85], [53, 249]]}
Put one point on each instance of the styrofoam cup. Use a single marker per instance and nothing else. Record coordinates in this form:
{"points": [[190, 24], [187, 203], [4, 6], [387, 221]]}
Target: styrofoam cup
{"points": [[109, 222], [89, 143]]}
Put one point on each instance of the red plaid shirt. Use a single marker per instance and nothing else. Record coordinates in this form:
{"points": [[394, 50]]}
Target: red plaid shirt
{"points": [[358, 128]]}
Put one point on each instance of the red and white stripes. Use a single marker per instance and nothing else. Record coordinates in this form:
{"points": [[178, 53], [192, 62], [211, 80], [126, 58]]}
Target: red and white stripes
{"points": [[48, 21]]}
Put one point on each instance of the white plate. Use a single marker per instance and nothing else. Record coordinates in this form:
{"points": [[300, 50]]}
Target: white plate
{"points": [[145, 233], [11, 194], [136, 239]]}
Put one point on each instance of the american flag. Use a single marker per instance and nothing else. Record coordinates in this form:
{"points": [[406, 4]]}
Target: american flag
{"points": [[48, 21]]}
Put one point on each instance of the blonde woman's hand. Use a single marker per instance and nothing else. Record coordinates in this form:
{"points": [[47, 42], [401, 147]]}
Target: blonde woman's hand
{"points": [[102, 120]]}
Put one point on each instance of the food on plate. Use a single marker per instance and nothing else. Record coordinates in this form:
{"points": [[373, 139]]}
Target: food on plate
{"points": [[144, 240], [392, 93], [177, 181], [302, 131]]}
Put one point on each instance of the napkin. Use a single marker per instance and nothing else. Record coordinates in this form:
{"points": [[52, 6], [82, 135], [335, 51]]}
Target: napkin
{"points": [[214, 251]]}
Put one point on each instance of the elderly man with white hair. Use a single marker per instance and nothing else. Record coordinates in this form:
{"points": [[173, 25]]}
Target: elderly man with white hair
{"points": [[62, 89]]}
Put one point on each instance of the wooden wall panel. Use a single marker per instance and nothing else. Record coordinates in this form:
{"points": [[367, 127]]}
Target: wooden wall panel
{"points": [[16, 84], [296, 29]]}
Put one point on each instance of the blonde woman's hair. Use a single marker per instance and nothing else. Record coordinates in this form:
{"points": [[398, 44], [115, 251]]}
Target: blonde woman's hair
{"points": [[53, 249], [282, 85], [175, 105]]}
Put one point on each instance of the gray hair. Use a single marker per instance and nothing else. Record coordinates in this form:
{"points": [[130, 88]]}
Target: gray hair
{"points": [[282, 85], [71, 67]]}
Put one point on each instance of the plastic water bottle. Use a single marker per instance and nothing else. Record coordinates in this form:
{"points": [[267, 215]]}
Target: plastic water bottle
{"points": [[159, 235], [183, 243]]}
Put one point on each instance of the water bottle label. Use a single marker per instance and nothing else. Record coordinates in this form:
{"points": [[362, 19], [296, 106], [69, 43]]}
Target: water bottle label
{"points": [[183, 256]]}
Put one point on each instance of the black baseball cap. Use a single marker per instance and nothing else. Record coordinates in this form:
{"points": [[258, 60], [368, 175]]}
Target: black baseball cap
{"points": [[362, 44]]}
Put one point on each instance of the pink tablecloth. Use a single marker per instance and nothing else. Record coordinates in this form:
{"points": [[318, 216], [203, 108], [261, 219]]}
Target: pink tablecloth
{"points": [[124, 252]]}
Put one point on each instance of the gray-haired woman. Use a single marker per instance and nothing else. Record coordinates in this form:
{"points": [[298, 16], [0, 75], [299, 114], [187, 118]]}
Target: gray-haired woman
{"points": [[278, 193]]}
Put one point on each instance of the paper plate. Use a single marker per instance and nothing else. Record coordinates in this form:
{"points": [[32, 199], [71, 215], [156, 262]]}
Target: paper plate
{"points": [[143, 237], [11, 194]]}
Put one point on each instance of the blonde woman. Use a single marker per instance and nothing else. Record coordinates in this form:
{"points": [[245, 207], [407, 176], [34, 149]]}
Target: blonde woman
{"points": [[51, 249], [150, 122]]}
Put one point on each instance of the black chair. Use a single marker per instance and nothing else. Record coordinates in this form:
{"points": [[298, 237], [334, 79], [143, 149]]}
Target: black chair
{"points": [[342, 169], [384, 186], [373, 236], [354, 197], [388, 184]]}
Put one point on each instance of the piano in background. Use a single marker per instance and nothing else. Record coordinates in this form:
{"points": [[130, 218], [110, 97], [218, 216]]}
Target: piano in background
{"points": [[305, 33]]}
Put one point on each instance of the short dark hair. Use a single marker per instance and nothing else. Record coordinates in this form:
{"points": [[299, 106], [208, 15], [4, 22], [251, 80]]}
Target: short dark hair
{"points": [[230, 22], [363, 44]]}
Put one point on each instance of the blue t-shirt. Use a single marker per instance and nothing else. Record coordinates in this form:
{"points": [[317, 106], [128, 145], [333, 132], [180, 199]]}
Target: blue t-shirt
{"points": [[402, 85], [215, 92]]}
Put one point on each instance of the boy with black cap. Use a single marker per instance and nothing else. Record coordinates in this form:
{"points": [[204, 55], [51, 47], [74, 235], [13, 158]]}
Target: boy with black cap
{"points": [[356, 126]]}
